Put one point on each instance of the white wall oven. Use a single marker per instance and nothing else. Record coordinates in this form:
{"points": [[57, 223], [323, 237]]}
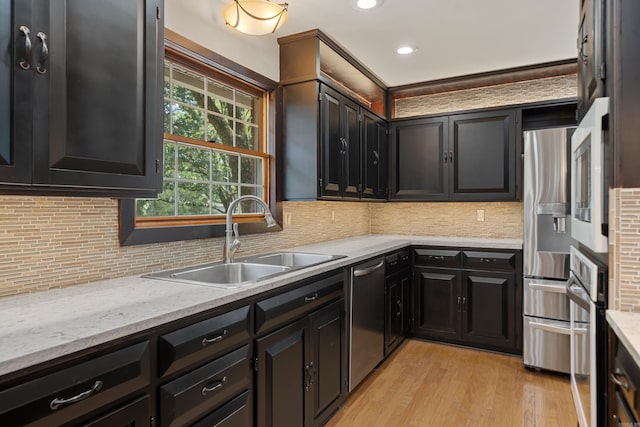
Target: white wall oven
{"points": [[586, 290], [589, 186]]}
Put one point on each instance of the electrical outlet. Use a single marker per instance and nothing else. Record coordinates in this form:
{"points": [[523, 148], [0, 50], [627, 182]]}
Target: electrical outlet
{"points": [[480, 215], [333, 216], [287, 218]]}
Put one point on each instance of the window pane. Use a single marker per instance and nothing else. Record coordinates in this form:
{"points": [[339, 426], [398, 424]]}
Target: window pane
{"points": [[247, 137], [220, 98], [188, 122], [247, 108], [223, 195], [162, 206], [169, 162], [251, 170], [193, 198], [193, 162], [188, 87], [249, 206], [219, 129], [225, 167]]}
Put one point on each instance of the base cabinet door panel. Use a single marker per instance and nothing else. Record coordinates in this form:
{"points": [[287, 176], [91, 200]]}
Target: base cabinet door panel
{"points": [[134, 414], [280, 380], [488, 310], [436, 302], [327, 365]]}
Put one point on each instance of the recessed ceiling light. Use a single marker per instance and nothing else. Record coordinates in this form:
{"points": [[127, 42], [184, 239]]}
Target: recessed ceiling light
{"points": [[405, 50], [368, 4]]}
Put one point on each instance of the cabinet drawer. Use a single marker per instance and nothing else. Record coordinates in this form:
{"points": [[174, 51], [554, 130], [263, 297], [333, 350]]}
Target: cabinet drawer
{"points": [[626, 375], [279, 309], [70, 393], [235, 413], [485, 260], [438, 257], [203, 340], [200, 391]]}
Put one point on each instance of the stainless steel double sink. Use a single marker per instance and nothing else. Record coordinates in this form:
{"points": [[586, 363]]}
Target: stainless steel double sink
{"points": [[243, 271]]}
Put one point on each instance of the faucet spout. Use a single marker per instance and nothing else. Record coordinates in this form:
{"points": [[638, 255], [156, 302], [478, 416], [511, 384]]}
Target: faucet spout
{"points": [[231, 245]]}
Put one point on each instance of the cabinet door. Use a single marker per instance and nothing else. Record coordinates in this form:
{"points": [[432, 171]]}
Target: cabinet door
{"points": [[488, 309], [482, 152], [98, 95], [332, 144], [281, 377], [419, 160], [590, 54], [326, 369], [351, 158], [374, 157], [436, 303], [16, 91]]}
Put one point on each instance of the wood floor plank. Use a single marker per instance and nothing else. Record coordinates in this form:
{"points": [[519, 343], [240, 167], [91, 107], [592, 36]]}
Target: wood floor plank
{"points": [[427, 384]]}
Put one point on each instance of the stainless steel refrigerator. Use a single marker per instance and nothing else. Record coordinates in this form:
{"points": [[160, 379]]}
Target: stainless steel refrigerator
{"points": [[547, 238]]}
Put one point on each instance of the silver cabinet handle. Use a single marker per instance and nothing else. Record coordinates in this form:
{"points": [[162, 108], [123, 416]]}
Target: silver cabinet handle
{"points": [[616, 380], [399, 304], [365, 271], [216, 386], [459, 303], [376, 157], [488, 260], [311, 298], [24, 63], [44, 53], [207, 341], [58, 402]]}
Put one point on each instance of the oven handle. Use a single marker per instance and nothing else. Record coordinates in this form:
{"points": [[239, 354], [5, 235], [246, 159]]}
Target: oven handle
{"points": [[573, 287]]}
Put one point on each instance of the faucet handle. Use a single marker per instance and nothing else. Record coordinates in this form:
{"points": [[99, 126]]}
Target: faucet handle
{"points": [[235, 231]]}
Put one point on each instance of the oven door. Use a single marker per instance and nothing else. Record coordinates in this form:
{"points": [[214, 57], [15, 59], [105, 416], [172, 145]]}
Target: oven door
{"points": [[583, 340], [588, 180]]}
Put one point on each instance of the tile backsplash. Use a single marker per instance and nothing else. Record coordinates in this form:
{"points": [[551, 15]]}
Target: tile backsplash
{"points": [[53, 242], [624, 249], [501, 219]]}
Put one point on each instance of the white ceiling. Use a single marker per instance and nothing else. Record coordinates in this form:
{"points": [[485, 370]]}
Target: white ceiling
{"points": [[453, 37]]}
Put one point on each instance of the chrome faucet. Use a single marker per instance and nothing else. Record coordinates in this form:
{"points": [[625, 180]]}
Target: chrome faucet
{"points": [[230, 247]]}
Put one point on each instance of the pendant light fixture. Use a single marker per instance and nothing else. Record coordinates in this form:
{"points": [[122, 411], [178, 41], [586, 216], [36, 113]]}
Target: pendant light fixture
{"points": [[255, 17]]}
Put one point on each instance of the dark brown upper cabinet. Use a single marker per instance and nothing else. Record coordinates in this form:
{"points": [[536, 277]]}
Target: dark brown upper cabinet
{"points": [[591, 54], [334, 131], [81, 104], [462, 157]]}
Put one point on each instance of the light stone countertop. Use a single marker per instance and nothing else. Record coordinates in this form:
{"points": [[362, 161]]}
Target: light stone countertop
{"points": [[626, 325], [43, 326]]}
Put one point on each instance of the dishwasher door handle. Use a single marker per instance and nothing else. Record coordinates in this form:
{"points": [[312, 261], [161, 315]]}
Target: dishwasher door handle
{"points": [[368, 270]]}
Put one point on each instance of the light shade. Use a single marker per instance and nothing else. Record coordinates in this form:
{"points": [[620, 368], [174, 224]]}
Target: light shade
{"points": [[255, 17]]}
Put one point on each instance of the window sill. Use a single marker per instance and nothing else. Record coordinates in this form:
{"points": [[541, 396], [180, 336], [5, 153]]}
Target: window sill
{"points": [[130, 235]]}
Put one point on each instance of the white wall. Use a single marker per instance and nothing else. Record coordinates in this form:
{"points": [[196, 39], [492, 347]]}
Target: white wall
{"points": [[201, 21]]}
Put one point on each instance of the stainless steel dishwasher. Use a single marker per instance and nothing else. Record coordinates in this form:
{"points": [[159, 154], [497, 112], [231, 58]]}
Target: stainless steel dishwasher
{"points": [[365, 305]]}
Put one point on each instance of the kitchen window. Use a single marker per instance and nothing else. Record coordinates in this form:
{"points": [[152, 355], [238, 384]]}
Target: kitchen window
{"points": [[215, 149]]}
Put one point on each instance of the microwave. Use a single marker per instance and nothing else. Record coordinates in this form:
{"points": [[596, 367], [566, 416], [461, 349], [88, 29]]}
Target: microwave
{"points": [[589, 186]]}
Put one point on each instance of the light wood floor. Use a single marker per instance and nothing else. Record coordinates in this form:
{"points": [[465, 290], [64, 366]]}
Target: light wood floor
{"points": [[425, 384]]}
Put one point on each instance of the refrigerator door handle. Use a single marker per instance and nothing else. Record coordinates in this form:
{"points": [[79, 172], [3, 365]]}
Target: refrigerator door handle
{"points": [[559, 289], [551, 328]]}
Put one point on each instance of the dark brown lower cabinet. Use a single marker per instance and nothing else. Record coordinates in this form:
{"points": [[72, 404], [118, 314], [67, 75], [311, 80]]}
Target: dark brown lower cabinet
{"points": [[465, 305], [302, 370]]}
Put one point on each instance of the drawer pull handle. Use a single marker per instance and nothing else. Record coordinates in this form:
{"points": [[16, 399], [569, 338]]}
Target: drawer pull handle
{"points": [[207, 341], [616, 380], [57, 402], [437, 257], [311, 298], [216, 386], [488, 260]]}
